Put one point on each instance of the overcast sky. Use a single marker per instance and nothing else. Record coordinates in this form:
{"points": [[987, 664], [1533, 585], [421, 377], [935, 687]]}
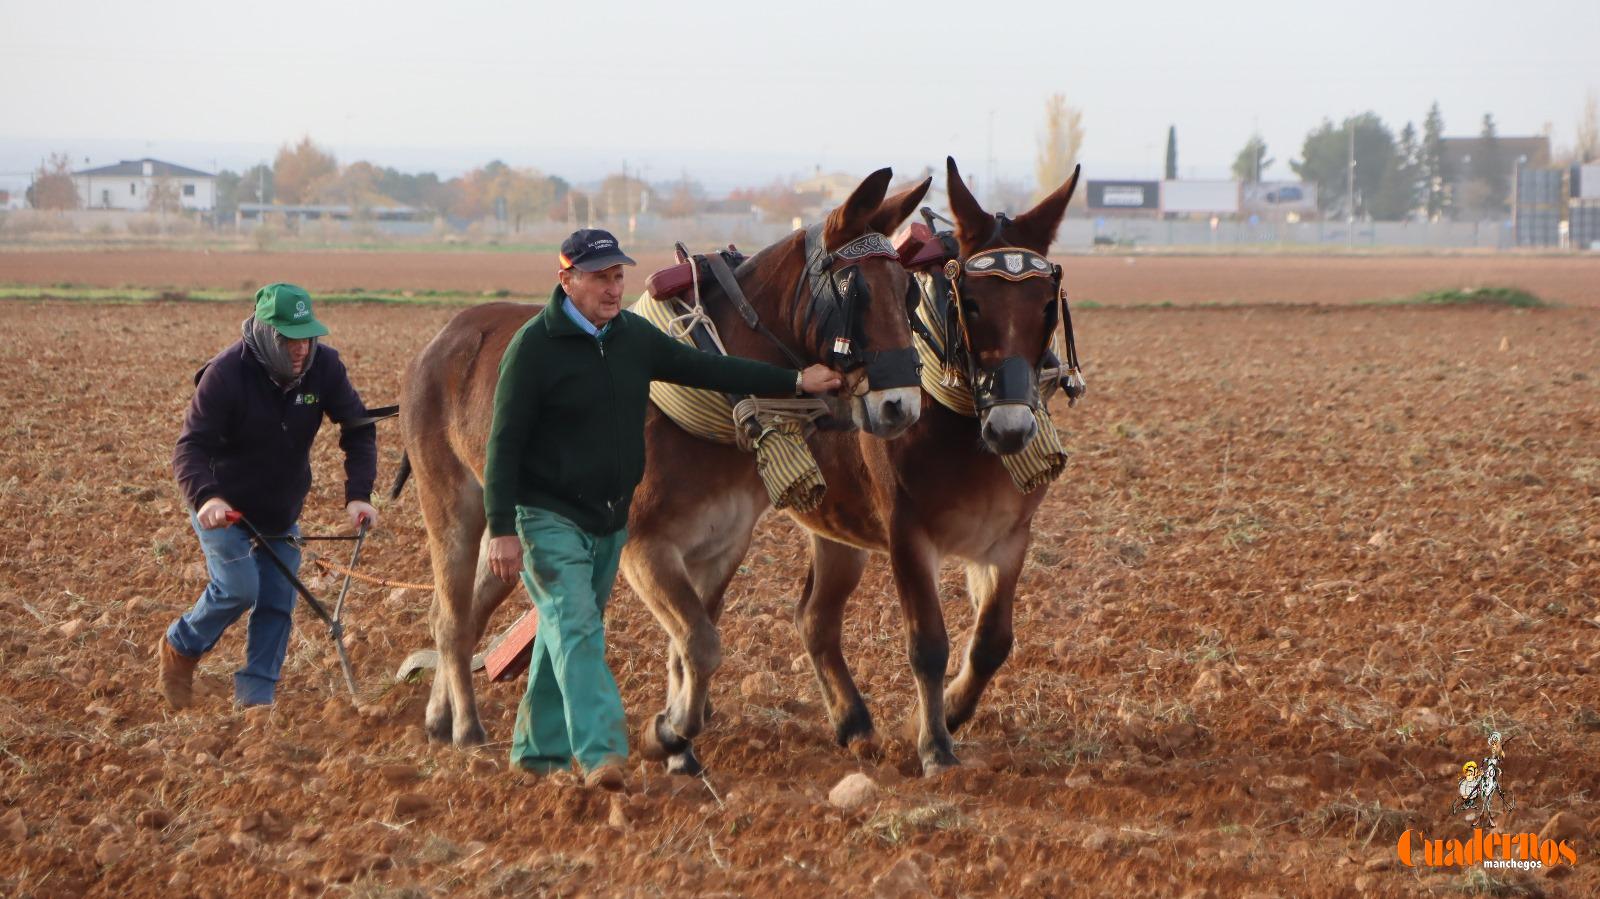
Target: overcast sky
{"points": [[738, 91]]}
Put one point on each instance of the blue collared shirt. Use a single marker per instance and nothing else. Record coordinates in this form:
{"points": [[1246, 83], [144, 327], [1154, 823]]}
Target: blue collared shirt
{"points": [[587, 326]]}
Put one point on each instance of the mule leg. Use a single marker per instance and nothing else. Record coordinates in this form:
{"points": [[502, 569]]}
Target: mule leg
{"points": [[992, 584], [656, 571], [835, 571], [662, 743], [455, 519], [915, 563]]}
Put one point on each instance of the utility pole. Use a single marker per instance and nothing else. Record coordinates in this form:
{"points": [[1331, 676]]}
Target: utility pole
{"points": [[989, 174]]}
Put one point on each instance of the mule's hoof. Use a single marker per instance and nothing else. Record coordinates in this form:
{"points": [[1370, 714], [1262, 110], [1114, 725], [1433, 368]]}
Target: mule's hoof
{"points": [[471, 736], [438, 731], [685, 763], [866, 748], [659, 740], [855, 727], [650, 745], [936, 764]]}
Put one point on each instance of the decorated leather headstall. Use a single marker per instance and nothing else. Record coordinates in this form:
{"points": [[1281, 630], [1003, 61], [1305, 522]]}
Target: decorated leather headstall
{"points": [[1010, 263], [1013, 381], [839, 297]]}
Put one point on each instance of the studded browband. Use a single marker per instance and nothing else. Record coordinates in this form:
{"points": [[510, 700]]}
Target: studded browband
{"points": [[1011, 263], [865, 247]]}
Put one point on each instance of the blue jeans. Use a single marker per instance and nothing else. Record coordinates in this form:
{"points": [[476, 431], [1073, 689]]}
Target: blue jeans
{"points": [[242, 580]]}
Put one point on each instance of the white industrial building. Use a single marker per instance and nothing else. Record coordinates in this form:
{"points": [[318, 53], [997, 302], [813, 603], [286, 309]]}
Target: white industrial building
{"points": [[128, 185]]}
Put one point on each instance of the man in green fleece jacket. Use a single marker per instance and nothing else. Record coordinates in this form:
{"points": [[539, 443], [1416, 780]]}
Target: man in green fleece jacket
{"points": [[566, 450]]}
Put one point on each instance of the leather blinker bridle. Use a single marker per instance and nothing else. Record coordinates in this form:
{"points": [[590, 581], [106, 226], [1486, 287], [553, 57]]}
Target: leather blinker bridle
{"points": [[1013, 381], [839, 297]]}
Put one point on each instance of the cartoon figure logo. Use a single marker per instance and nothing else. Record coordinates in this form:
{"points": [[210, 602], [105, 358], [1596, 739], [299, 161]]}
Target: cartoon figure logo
{"points": [[1480, 795], [1479, 792]]}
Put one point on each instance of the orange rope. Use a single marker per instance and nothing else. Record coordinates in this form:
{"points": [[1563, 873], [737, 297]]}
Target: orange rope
{"points": [[380, 581]]}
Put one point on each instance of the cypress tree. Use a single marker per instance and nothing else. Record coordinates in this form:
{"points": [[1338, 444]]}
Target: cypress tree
{"points": [[1431, 163]]}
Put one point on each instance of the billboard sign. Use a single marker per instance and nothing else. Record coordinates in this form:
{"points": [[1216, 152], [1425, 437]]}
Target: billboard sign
{"points": [[1203, 197], [1281, 196], [1587, 185], [1125, 195]]}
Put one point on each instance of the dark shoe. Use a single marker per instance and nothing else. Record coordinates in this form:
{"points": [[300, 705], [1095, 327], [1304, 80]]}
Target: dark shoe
{"points": [[177, 675], [606, 776]]}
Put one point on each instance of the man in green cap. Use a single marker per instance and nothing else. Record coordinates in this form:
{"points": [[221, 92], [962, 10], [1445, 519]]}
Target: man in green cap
{"points": [[246, 447]]}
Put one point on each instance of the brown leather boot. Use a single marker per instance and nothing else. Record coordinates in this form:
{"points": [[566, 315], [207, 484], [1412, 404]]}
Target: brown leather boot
{"points": [[607, 776], [177, 675]]}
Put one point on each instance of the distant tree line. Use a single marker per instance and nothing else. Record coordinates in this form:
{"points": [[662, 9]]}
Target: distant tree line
{"points": [[1405, 176], [1396, 176]]}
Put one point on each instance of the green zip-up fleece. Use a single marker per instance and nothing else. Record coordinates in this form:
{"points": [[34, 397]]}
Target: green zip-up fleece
{"points": [[568, 430]]}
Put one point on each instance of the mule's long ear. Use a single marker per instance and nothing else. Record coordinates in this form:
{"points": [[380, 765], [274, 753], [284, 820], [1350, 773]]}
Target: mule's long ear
{"points": [[972, 223], [897, 208], [850, 219], [1036, 228]]}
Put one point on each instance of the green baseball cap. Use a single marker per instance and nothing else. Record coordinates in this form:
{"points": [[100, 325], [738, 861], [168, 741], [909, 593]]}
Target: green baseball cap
{"points": [[287, 308]]}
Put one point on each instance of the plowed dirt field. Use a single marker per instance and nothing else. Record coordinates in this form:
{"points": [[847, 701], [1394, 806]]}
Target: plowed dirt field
{"points": [[1303, 561], [1100, 279]]}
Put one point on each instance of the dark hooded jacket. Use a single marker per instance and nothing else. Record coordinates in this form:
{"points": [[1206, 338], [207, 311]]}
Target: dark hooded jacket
{"points": [[248, 441]]}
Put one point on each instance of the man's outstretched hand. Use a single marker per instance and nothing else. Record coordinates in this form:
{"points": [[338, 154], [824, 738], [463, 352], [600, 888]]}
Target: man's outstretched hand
{"points": [[820, 379]]}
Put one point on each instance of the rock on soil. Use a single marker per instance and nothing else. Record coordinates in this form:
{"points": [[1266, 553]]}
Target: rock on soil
{"points": [[854, 791], [762, 683], [412, 805], [12, 827], [902, 880], [399, 773], [1563, 826], [1376, 764], [110, 852]]}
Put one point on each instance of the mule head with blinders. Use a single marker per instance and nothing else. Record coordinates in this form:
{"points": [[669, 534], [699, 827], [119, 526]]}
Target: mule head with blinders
{"points": [[851, 308], [1006, 301]]}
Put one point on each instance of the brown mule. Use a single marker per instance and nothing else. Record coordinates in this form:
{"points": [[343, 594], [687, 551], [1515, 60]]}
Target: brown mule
{"points": [[937, 490], [699, 500], [940, 490]]}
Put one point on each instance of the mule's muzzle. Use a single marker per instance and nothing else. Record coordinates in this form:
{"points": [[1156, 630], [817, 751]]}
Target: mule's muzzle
{"points": [[888, 413], [1008, 429], [1012, 382], [888, 369]]}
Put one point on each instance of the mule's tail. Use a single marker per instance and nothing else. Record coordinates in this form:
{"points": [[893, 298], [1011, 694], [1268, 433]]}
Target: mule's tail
{"points": [[400, 477]]}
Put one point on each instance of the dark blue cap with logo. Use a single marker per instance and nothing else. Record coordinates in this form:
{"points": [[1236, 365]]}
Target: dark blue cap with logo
{"points": [[592, 250]]}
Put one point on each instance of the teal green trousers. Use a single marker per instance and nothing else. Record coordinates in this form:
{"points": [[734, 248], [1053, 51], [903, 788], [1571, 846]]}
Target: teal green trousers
{"points": [[572, 708]]}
